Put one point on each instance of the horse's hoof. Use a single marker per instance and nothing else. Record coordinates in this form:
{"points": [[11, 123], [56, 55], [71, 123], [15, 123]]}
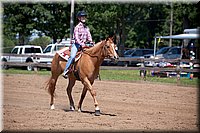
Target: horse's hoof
{"points": [[52, 107], [79, 110], [72, 108], [97, 113]]}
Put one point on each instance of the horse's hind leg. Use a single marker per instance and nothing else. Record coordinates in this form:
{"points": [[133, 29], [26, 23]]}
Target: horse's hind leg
{"points": [[69, 92], [56, 70], [52, 84]]}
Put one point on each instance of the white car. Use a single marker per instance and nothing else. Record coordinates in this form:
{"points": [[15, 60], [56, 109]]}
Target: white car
{"points": [[22, 54], [51, 50]]}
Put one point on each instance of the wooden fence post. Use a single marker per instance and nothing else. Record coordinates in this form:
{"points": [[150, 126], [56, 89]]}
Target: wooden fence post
{"points": [[143, 71], [35, 69], [178, 72]]}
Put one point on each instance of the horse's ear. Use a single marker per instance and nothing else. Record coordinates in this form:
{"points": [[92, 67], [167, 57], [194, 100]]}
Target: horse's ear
{"points": [[111, 36], [107, 38]]}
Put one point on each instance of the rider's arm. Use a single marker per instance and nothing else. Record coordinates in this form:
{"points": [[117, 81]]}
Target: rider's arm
{"points": [[89, 37]]}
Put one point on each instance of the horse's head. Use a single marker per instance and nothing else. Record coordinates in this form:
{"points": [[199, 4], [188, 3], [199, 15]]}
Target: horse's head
{"points": [[109, 49]]}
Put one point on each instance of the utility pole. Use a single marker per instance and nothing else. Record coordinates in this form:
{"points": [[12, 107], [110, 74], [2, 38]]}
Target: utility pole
{"points": [[72, 19], [171, 24]]}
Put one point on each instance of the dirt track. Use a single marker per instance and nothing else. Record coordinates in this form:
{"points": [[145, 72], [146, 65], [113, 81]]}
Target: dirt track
{"points": [[124, 106]]}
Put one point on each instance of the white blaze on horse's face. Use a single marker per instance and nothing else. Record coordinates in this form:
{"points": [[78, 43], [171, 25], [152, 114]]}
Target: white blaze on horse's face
{"points": [[111, 50], [114, 51]]}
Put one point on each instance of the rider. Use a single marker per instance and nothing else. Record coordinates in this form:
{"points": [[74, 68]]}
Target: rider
{"points": [[81, 36]]}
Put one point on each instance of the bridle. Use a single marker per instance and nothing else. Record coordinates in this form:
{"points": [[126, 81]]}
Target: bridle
{"points": [[106, 51]]}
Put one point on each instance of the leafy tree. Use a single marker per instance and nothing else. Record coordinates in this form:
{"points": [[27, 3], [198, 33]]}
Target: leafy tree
{"points": [[135, 24], [8, 44], [184, 17], [41, 41], [18, 19], [149, 23], [53, 19]]}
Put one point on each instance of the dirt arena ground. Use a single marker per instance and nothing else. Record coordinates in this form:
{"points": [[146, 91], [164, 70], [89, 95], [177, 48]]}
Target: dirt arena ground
{"points": [[138, 106]]}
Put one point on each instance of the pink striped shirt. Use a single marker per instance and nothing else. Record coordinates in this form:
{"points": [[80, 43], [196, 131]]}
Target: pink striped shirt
{"points": [[82, 34]]}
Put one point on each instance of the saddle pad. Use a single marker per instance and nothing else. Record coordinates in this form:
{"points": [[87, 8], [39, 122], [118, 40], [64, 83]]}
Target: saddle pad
{"points": [[65, 53]]}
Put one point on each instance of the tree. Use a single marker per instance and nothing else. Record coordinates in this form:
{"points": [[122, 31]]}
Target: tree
{"points": [[18, 19], [53, 19], [184, 17], [134, 24], [41, 41], [8, 44]]}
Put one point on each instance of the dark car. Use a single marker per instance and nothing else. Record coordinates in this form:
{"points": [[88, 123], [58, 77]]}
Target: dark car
{"points": [[128, 52], [135, 53], [158, 54], [169, 53], [173, 53]]}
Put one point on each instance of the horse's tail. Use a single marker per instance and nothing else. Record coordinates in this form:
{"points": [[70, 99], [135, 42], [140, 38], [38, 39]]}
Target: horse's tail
{"points": [[50, 86], [54, 75]]}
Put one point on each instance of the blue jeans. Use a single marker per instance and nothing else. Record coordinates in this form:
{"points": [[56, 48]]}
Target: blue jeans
{"points": [[74, 50]]}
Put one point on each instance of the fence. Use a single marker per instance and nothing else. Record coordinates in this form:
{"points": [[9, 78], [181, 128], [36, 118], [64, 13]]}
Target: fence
{"points": [[142, 68]]}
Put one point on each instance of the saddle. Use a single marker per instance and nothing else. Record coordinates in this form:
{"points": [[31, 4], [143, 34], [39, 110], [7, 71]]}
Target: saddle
{"points": [[65, 54]]}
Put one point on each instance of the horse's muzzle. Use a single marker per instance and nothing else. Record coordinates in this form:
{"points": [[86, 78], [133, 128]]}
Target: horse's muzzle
{"points": [[114, 59]]}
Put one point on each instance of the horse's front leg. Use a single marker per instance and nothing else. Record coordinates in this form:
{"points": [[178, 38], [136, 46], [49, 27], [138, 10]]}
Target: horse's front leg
{"points": [[88, 85], [82, 98]]}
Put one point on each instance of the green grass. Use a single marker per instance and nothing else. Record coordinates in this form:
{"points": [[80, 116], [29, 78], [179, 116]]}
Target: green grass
{"points": [[20, 71], [134, 75], [118, 75], [124, 75]]}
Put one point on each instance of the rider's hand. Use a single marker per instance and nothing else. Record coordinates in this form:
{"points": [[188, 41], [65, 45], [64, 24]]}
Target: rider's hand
{"points": [[92, 44]]}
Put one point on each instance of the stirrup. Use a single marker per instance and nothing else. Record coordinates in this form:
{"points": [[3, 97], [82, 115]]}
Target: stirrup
{"points": [[65, 74]]}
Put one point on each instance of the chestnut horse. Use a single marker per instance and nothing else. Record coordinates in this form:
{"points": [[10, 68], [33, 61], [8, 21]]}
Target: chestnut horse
{"points": [[87, 68]]}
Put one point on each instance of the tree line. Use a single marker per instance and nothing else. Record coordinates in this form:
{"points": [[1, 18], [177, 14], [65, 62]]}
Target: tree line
{"points": [[134, 24]]}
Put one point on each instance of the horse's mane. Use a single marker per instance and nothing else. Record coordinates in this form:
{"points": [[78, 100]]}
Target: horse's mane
{"points": [[94, 51]]}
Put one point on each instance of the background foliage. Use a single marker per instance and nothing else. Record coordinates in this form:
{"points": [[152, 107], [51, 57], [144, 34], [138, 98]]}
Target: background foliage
{"points": [[135, 24]]}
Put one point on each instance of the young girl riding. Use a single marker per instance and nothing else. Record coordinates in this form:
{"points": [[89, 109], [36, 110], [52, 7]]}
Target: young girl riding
{"points": [[81, 36]]}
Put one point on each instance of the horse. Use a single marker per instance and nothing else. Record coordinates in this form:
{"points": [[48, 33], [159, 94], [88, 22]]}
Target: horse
{"points": [[87, 68]]}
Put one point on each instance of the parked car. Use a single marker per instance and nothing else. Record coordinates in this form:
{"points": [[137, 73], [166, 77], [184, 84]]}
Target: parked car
{"points": [[51, 50], [128, 52], [16, 57], [171, 53], [158, 54], [135, 53]]}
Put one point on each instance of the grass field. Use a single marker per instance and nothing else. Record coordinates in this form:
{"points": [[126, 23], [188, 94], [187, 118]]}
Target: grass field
{"points": [[119, 75]]}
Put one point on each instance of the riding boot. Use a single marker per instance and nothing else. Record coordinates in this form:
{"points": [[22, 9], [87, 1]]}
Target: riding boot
{"points": [[65, 74]]}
